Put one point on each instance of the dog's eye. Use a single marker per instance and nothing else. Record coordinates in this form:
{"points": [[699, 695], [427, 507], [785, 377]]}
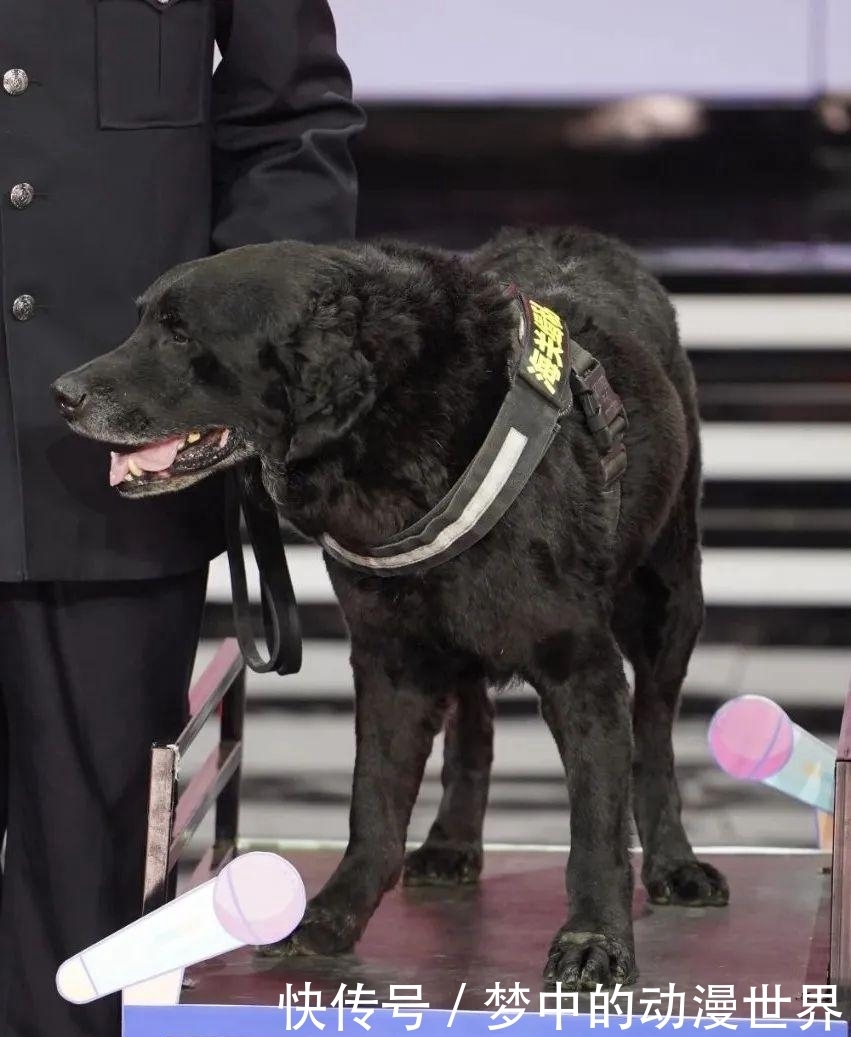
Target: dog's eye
{"points": [[179, 337]]}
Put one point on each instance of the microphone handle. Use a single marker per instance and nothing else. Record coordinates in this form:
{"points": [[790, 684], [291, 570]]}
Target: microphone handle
{"points": [[809, 774]]}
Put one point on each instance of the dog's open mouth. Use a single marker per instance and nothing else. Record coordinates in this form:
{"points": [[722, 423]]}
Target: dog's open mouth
{"points": [[171, 458]]}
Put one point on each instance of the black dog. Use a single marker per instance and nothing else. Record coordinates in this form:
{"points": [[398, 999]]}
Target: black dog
{"points": [[364, 379]]}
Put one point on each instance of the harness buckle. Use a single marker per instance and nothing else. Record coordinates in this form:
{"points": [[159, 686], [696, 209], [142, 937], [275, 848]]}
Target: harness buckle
{"points": [[600, 402], [606, 418]]}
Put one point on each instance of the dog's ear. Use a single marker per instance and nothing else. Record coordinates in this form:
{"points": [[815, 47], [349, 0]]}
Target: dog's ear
{"points": [[334, 383]]}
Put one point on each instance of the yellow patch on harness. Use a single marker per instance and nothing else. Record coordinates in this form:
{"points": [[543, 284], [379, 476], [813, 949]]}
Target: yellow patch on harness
{"points": [[546, 364]]}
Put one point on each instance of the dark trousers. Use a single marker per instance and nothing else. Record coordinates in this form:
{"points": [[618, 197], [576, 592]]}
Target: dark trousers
{"points": [[90, 676]]}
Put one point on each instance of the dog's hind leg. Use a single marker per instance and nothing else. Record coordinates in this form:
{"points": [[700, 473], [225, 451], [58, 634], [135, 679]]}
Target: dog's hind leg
{"points": [[657, 621], [397, 715], [452, 851]]}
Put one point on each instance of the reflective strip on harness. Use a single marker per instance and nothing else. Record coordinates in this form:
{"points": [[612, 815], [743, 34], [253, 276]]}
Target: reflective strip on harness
{"points": [[503, 465], [541, 394]]}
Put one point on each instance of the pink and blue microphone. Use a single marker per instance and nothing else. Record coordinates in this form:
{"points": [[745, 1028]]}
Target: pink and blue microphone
{"points": [[751, 737]]}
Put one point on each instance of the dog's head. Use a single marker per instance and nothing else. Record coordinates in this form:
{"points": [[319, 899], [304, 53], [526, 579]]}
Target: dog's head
{"points": [[243, 354]]}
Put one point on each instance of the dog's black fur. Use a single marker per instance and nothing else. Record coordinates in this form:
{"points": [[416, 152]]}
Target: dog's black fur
{"points": [[364, 378]]}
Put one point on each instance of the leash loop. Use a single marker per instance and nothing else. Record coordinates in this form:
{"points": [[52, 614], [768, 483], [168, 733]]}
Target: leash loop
{"points": [[281, 625]]}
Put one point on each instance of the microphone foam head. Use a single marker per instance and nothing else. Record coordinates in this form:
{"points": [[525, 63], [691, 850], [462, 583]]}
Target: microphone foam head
{"points": [[751, 737], [259, 898]]}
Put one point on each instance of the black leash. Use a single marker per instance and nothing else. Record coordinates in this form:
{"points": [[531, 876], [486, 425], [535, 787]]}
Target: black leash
{"points": [[280, 614]]}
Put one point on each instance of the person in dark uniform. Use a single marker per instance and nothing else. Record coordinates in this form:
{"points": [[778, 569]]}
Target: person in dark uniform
{"points": [[121, 154]]}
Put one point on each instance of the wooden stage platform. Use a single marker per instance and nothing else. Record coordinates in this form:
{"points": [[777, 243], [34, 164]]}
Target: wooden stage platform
{"points": [[457, 944], [447, 941], [775, 931]]}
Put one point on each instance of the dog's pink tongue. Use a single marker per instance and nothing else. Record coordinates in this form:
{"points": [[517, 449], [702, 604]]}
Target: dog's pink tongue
{"points": [[155, 458]]}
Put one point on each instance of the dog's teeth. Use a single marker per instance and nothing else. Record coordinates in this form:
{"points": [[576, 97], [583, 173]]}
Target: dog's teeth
{"points": [[134, 468], [128, 477], [193, 437]]}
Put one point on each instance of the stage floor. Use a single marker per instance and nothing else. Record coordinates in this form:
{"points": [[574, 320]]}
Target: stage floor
{"points": [[775, 931]]}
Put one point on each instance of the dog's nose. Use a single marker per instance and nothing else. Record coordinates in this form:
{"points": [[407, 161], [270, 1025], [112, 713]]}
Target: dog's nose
{"points": [[69, 397]]}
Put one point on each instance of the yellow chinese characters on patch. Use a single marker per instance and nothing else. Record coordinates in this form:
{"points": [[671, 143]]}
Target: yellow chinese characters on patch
{"points": [[546, 363]]}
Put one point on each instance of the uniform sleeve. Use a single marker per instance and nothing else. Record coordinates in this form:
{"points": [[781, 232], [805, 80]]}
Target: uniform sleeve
{"points": [[283, 120]]}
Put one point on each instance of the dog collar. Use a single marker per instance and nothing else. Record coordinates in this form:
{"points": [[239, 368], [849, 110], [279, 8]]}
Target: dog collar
{"points": [[551, 371]]}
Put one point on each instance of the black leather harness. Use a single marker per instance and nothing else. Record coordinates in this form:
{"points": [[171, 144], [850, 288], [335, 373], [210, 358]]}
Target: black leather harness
{"points": [[552, 373]]}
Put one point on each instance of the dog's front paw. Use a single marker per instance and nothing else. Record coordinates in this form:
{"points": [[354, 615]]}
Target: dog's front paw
{"points": [[688, 883], [581, 960], [443, 864], [322, 931]]}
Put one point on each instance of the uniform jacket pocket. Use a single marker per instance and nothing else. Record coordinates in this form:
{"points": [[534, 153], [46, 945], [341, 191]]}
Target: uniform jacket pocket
{"points": [[154, 62]]}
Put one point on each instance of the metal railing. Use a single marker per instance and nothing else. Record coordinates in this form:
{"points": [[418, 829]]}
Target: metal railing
{"points": [[174, 816], [840, 893]]}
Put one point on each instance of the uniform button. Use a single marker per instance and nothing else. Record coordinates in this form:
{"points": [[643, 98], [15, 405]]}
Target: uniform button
{"points": [[15, 81], [21, 195], [23, 307]]}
